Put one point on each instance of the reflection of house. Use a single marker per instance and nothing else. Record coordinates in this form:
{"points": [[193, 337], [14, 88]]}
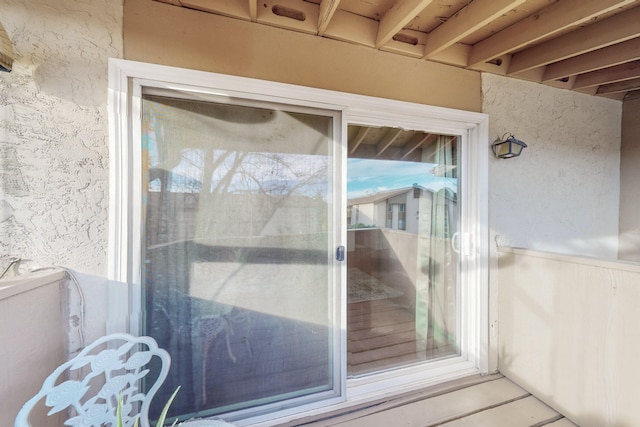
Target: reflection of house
{"points": [[400, 209]]}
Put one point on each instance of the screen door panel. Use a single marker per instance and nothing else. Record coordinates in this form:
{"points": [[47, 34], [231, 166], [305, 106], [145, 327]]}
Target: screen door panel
{"points": [[238, 243]]}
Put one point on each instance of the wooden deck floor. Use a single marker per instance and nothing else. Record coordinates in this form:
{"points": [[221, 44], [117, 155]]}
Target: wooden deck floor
{"points": [[493, 401], [382, 334]]}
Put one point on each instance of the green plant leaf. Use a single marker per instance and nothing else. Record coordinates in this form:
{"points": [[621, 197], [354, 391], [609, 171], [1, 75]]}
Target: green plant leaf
{"points": [[119, 412], [163, 414]]}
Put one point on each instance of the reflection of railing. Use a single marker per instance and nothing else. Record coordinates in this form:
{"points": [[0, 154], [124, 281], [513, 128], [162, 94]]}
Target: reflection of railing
{"points": [[389, 255], [362, 227], [568, 333]]}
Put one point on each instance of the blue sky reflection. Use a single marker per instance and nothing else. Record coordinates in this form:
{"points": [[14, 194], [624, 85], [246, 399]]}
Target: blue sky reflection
{"points": [[369, 176]]}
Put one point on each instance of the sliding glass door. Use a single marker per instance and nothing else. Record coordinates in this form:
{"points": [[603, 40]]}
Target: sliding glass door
{"points": [[295, 248], [403, 209], [238, 247]]}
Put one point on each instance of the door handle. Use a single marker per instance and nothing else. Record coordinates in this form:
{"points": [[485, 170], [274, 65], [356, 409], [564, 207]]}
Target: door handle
{"points": [[340, 253], [455, 238], [466, 247]]}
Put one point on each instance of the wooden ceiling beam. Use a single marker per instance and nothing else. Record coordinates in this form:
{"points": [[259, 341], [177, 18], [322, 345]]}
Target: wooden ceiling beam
{"points": [[615, 74], [253, 10], [327, 10], [407, 42], [351, 28], [560, 15], [387, 140], [616, 29], [290, 14], [632, 96], [360, 136], [424, 139], [625, 86], [391, 153], [403, 12], [239, 10], [471, 18], [596, 60]]}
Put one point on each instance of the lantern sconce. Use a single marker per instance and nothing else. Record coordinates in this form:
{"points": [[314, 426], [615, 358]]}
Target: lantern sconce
{"points": [[509, 147]]}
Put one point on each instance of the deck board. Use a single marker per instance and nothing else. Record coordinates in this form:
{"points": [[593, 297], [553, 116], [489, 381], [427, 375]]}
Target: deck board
{"points": [[525, 412], [493, 402], [444, 407], [564, 422], [381, 334]]}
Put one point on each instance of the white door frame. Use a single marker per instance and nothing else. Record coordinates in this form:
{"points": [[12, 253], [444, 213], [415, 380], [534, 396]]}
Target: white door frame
{"points": [[470, 127]]}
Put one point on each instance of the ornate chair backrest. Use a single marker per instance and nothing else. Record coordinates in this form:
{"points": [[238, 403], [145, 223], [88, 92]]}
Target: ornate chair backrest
{"points": [[89, 385]]}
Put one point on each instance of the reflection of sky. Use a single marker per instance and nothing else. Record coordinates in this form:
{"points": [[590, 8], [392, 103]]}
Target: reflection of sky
{"points": [[369, 176], [279, 173]]}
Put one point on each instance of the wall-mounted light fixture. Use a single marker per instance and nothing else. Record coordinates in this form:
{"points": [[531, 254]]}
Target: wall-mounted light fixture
{"points": [[509, 147], [6, 51]]}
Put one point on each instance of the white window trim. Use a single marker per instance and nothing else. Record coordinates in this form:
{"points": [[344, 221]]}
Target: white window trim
{"points": [[471, 127]]}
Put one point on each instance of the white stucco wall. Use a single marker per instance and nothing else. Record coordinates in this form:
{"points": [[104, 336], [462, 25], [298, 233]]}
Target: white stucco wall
{"points": [[54, 142], [562, 193], [53, 131]]}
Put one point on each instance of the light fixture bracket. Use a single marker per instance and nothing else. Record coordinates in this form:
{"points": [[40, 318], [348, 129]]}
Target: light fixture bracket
{"points": [[509, 147]]}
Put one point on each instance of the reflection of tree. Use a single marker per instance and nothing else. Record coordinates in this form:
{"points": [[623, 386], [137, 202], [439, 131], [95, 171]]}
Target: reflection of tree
{"points": [[212, 164], [246, 191], [211, 154], [263, 173]]}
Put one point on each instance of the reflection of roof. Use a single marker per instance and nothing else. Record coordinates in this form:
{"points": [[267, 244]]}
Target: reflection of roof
{"points": [[384, 195]]}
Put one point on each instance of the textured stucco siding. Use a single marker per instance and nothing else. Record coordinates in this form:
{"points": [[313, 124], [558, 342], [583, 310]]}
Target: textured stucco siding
{"points": [[54, 131], [562, 193]]}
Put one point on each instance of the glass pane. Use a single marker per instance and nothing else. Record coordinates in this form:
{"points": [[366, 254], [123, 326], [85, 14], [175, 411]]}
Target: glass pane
{"points": [[237, 252], [402, 271]]}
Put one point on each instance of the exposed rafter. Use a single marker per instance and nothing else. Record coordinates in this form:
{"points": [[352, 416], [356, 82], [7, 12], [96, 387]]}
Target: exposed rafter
{"points": [[403, 12], [362, 134], [557, 17], [619, 73], [253, 10], [474, 16], [632, 95], [596, 60], [422, 140], [235, 9], [584, 45], [388, 139], [617, 29], [327, 10], [619, 87]]}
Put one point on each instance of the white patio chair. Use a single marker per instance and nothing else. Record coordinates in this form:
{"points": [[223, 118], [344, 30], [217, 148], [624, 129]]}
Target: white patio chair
{"points": [[89, 385]]}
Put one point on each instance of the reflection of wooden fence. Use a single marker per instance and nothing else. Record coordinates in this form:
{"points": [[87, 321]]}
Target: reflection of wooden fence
{"points": [[568, 333], [233, 219]]}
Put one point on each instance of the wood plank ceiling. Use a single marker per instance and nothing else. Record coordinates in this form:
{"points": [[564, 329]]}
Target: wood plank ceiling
{"points": [[591, 46]]}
